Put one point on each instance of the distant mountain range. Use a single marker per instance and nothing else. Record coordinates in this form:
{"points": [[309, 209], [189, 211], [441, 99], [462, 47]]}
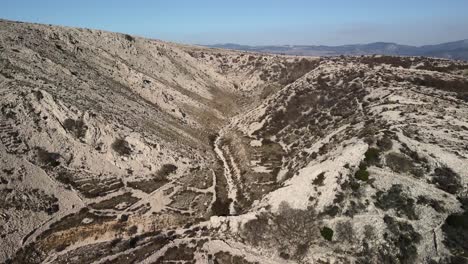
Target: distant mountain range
{"points": [[457, 50]]}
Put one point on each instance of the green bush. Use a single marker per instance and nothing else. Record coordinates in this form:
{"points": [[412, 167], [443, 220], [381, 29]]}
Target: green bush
{"points": [[327, 233], [362, 175], [372, 156]]}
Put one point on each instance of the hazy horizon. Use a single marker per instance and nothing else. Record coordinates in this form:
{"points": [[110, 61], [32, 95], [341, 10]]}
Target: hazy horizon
{"points": [[336, 22]]}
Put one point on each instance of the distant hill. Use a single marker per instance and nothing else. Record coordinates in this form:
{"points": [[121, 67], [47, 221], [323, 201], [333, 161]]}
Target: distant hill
{"points": [[457, 50]]}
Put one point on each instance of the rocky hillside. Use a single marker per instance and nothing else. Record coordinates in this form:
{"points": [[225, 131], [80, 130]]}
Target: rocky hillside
{"points": [[119, 149]]}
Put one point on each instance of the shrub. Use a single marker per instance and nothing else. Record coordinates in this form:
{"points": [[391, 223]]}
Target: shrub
{"points": [[166, 170], [129, 38], [284, 255], [362, 174], [372, 156], [296, 226], [256, 231], [385, 143], [296, 70], [355, 187], [319, 179], [458, 86], [291, 230], [122, 147], [123, 218], [446, 179], [402, 237], [369, 232], [47, 158], [115, 241], [132, 230], [327, 233], [435, 204], [455, 229], [76, 127], [354, 208], [413, 154], [399, 162], [133, 241], [396, 199], [220, 207], [331, 210], [61, 247]]}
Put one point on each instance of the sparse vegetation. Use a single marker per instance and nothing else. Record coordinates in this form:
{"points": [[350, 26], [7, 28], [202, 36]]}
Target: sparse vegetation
{"points": [[345, 231], [437, 205], [395, 198], [458, 86], [149, 185], [226, 257], [102, 186], [155, 181], [291, 230], [402, 240], [369, 232], [121, 201], [34, 200]]}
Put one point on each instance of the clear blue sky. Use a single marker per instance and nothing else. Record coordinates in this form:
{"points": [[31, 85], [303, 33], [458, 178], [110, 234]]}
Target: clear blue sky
{"points": [[328, 22]]}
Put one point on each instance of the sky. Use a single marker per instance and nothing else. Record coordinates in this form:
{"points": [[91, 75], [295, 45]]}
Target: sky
{"points": [[257, 22]]}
